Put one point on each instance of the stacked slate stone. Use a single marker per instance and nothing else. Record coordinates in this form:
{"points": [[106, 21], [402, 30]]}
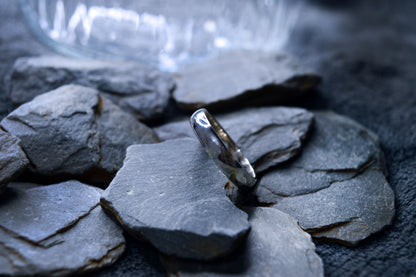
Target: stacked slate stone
{"points": [[82, 124]]}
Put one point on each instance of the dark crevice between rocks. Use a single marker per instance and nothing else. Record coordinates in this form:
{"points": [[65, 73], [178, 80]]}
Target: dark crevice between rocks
{"points": [[268, 95], [243, 197], [94, 176], [303, 140], [170, 112], [203, 246], [167, 262], [303, 82], [262, 163], [98, 111]]}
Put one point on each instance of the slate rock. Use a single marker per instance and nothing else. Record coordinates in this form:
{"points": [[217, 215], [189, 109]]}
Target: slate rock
{"points": [[55, 230], [337, 187], [135, 87], [267, 136], [73, 130], [12, 158], [172, 195], [275, 246], [139, 259], [237, 77]]}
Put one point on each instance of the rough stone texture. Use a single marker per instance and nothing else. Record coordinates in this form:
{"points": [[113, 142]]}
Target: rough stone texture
{"points": [[172, 194], [73, 130], [135, 87], [234, 78], [139, 259], [55, 230], [15, 42], [337, 187], [267, 136], [366, 57], [276, 246], [365, 52], [12, 158]]}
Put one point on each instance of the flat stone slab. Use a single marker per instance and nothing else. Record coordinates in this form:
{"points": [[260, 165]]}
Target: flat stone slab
{"points": [[73, 130], [172, 195], [55, 230], [337, 187], [12, 158], [135, 87], [242, 77], [267, 136], [276, 246]]}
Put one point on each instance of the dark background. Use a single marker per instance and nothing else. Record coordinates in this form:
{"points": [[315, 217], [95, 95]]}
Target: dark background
{"points": [[366, 53]]}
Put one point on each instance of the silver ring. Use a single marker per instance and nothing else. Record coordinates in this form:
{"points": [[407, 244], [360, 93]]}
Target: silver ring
{"points": [[222, 149]]}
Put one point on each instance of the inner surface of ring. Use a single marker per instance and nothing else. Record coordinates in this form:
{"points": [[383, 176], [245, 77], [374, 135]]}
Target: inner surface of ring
{"points": [[230, 155]]}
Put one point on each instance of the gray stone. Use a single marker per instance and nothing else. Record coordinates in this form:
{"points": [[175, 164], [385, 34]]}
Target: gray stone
{"points": [[172, 194], [275, 246], [337, 188], [12, 158], [238, 77], [55, 230], [135, 87], [73, 130], [267, 136]]}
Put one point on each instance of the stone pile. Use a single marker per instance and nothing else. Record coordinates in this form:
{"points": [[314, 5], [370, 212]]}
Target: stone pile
{"points": [[78, 121]]}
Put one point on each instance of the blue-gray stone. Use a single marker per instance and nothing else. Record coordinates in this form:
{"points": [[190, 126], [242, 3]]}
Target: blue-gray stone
{"points": [[337, 187], [12, 158], [73, 130], [55, 230], [137, 88], [267, 136], [172, 194], [275, 246], [242, 77]]}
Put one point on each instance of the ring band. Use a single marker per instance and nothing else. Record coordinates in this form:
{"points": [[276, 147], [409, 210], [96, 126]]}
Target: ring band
{"points": [[222, 149]]}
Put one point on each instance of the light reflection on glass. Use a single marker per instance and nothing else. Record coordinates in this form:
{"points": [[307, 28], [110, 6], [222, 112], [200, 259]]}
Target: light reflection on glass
{"points": [[166, 33]]}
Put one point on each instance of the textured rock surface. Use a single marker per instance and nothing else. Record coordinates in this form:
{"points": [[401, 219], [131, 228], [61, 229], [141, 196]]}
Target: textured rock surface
{"points": [[172, 194], [55, 230], [12, 158], [276, 246], [267, 136], [139, 259], [73, 130], [242, 77], [378, 93], [337, 188], [137, 88]]}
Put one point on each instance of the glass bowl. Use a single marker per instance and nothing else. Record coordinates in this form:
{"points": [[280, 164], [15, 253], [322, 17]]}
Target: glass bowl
{"points": [[165, 33]]}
